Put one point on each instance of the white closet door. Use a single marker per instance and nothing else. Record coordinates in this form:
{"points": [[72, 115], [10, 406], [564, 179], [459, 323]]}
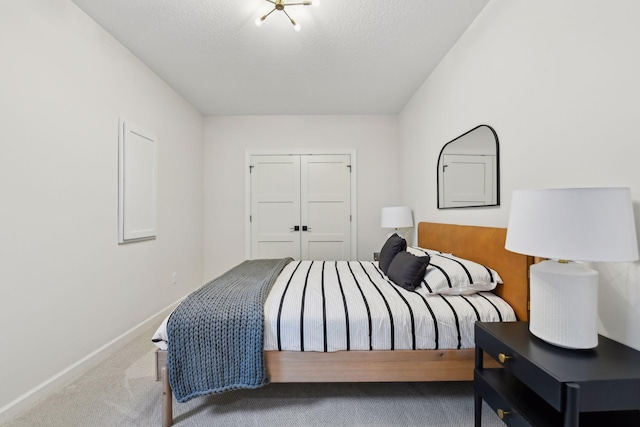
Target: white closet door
{"points": [[325, 207], [468, 179], [301, 206], [275, 206]]}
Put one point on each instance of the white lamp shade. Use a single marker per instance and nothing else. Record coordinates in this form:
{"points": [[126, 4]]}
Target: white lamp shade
{"points": [[396, 217], [578, 224]]}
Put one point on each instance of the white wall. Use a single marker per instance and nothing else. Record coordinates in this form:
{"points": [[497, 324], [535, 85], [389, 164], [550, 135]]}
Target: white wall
{"points": [[228, 137], [558, 81], [67, 286]]}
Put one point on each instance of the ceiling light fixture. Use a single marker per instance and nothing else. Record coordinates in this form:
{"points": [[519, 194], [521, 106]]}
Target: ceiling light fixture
{"points": [[280, 5]]}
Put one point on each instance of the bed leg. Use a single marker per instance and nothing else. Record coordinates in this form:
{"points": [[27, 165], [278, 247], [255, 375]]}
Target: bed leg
{"points": [[167, 403]]}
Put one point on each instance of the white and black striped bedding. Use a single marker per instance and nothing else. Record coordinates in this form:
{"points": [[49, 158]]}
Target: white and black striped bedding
{"points": [[450, 275], [350, 305]]}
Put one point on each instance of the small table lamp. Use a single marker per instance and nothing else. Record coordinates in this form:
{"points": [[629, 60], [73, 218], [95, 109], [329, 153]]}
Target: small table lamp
{"points": [[396, 217], [579, 224]]}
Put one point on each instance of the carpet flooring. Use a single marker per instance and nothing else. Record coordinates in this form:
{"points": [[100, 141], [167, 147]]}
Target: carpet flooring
{"points": [[122, 391]]}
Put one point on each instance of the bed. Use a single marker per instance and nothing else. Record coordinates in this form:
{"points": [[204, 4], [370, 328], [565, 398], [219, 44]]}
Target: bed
{"points": [[484, 245]]}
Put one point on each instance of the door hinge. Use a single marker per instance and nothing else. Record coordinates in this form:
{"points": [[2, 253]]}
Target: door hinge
{"points": [[350, 218], [250, 218], [349, 166], [250, 168]]}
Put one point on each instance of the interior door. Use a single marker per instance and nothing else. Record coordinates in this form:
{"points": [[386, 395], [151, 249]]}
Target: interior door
{"points": [[275, 206], [325, 205], [468, 179], [301, 207]]}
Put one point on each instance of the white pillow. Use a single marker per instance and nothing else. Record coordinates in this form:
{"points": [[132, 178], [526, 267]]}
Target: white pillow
{"points": [[450, 275]]}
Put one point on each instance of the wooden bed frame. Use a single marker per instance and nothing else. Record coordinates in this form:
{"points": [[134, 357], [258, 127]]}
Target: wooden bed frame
{"points": [[484, 245]]}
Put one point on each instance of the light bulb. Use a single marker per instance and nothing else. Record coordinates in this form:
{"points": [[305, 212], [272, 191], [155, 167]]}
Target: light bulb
{"points": [[296, 27], [259, 21], [315, 3]]}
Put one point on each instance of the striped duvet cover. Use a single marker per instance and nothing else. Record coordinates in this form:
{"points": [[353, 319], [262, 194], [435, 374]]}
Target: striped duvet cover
{"points": [[351, 305]]}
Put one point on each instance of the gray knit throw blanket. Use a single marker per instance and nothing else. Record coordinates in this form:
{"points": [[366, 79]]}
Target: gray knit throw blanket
{"points": [[216, 334]]}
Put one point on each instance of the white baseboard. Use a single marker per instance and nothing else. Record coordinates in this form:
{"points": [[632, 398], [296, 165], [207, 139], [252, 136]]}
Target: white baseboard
{"points": [[69, 374]]}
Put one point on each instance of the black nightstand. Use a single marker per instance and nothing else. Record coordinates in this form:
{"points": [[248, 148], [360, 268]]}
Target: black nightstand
{"points": [[544, 385]]}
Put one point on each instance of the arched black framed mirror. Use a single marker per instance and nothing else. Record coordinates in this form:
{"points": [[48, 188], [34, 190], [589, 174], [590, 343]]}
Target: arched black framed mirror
{"points": [[469, 170]]}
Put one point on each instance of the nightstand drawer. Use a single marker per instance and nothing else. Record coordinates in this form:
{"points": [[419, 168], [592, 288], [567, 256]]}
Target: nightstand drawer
{"points": [[521, 407], [497, 400], [536, 378], [514, 403]]}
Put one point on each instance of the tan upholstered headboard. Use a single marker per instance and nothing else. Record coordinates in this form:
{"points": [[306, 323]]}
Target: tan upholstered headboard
{"points": [[484, 245]]}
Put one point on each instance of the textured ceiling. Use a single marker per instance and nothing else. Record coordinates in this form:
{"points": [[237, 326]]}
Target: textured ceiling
{"points": [[351, 56]]}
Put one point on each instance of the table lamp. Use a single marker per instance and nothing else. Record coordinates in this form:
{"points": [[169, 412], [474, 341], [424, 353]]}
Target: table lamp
{"points": [[396, 217], [578, 224]]}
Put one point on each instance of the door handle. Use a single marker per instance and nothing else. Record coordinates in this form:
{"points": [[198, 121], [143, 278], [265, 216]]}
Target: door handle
{"points": [[295, 228], [305, 228]]}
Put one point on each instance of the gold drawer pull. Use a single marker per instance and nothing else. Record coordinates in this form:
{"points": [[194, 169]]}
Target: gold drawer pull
{"points": [[502, 413], [503, 358]]}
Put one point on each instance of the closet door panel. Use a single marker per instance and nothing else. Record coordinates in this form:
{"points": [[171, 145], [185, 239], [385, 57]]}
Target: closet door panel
{"points": [[325, 204], [275, 206]]}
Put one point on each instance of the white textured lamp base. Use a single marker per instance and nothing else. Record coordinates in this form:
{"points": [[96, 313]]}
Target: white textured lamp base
{"points": [[564, 304]]}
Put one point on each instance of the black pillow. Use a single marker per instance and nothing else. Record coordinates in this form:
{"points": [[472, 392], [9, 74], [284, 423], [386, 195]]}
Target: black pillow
{"points": [[392, 246], [407, 270]]}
